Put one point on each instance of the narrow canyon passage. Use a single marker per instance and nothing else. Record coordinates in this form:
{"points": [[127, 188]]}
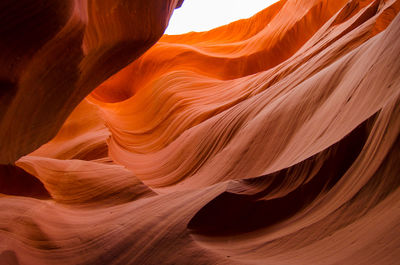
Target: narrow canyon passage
{"points": [[273, 139]]}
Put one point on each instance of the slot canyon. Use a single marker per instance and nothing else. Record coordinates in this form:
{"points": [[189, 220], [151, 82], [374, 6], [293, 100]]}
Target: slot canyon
{"points": [[271, 140]]}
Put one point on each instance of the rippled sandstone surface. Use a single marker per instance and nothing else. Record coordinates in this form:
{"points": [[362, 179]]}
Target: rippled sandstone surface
{"points": [[271, 140]]}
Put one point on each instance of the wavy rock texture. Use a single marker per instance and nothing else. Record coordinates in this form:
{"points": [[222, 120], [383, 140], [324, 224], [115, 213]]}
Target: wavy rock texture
{"points": [[54, 53], [271, 140]]}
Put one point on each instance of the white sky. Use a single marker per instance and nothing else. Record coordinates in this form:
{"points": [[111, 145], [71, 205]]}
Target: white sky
{"points": [[202, 15]]}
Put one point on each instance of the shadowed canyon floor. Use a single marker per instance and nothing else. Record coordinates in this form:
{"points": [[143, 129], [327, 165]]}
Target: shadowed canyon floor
{"points": [[271, 140]]}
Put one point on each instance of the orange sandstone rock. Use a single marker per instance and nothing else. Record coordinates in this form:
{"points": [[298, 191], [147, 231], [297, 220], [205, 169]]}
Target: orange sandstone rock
{"points": [[54, 53], [271, 140]]}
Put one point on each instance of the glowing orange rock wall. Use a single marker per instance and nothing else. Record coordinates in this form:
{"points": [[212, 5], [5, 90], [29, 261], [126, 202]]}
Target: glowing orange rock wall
{"points": [[272, 140], [56, 52]]}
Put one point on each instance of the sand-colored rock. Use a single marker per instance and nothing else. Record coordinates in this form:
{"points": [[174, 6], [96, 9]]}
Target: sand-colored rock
{"points": [[271, 140], [55, 53]]}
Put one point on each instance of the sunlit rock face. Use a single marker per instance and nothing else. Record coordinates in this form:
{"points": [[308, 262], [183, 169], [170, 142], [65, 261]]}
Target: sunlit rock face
{"points": [[272, 140]]}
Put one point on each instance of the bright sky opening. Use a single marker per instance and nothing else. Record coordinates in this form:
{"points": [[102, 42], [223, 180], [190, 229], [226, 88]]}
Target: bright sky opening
{"points": [[203, 15]]}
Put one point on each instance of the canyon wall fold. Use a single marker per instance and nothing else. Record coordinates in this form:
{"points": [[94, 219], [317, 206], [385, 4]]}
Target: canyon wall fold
{"points": [[54, 53], [271, 140]]}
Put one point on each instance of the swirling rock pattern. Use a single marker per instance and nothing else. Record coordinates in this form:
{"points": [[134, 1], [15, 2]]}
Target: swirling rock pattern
{"points": [[54, 53], [271, 140]]}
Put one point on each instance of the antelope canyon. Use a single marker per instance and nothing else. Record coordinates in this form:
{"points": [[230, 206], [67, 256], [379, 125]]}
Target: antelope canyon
{"points": [[270, 140]]}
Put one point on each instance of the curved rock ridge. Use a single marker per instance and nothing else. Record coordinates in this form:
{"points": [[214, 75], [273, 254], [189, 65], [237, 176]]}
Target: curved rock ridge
{"points": [[271, 140], [181, 125], [54, 53]]}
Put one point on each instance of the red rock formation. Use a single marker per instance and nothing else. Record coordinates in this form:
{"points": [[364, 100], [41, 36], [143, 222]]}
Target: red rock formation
{"points": [[54, 53], [272, 140]]}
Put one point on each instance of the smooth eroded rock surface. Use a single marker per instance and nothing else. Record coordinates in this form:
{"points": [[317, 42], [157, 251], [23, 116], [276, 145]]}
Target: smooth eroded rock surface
{"points": [[271, 140]]}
